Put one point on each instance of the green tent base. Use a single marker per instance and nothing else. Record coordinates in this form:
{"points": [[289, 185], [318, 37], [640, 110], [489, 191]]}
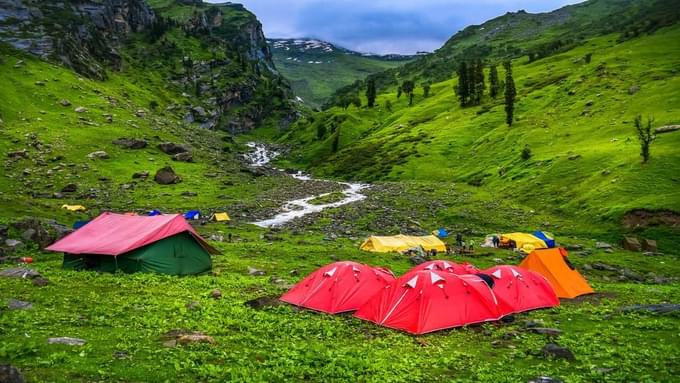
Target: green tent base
{"points": [[180, 254]]}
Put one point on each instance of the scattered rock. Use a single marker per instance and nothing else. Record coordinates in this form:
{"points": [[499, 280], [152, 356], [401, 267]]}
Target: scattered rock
{"points": [[603, 266], [662, 308], [255, 272], [121, 354], [40, 83], [183, 157], [633, 89], [546, 331], [263, 302], [666, 129], [281, 283], [29, 234], [632, 244], [573, 247], [10, 374], [574, 157], [417, 259], [189, 194], [141, 175], [184, 337], [15, 155], [98, 155], [172, 148], [67, 341], [141, 113], [13, 244], [649, 245], [15, 304], [41, 282], [65, 102], [167, 176], [69, 188], [555, 351], [80, 109], [130, 143], [532, 324], [193, 305], [19, 272], [544, 379], [216, 294], [603, 245]]}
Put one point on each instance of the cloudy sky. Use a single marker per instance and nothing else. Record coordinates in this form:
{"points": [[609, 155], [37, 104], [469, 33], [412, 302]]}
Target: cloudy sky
{"points": [[383, 26]]}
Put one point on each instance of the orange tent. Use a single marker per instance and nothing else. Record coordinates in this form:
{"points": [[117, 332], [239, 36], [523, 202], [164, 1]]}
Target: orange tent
{"points": [[553, 265]]}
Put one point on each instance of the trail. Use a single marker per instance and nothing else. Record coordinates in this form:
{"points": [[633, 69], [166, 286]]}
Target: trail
{"points": [[261, 156]]}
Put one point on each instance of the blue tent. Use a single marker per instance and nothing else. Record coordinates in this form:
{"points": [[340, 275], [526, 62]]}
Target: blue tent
{"points": [[192, 214], [154, 212], [79, 224], [546, 237], [441, 233]]}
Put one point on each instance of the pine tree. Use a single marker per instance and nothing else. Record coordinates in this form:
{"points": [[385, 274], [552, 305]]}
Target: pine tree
{"points": [[510, 93], [398, 92], [426, 90], [336, 141], [463, 87], [408, 87], [479, 86], [370, 92], [494, 86]]}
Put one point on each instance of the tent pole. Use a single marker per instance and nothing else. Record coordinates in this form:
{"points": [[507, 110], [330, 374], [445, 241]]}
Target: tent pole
{"points": [[115, 260]]}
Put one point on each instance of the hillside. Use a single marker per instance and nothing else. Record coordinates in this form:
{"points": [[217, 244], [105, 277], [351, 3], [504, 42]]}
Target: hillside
{"points": [[576, 118], [306, 63], [157, 73]]}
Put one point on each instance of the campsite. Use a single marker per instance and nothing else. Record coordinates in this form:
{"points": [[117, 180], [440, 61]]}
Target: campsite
{"points": [[503, 206]]}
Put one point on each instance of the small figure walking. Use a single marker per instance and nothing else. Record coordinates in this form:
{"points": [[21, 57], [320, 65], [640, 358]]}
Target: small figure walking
{"points": [[459, 240]]}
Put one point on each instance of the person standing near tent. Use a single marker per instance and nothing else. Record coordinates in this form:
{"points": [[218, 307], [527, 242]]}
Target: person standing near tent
{"points": [[496, 241], [471, 244], [459, 239]]}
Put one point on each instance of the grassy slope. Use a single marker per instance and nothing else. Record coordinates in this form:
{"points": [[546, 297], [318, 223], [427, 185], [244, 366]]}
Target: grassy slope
{"points": [[436, 140], [313, 83]]}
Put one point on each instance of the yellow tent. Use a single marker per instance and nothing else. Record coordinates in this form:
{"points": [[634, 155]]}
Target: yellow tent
{"points": [[398, 243], [74, 207], [220, 217], [524, 242]]}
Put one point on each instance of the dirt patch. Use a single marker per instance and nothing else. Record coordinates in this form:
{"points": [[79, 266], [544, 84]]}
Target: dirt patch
{"points": [[641, 218]]}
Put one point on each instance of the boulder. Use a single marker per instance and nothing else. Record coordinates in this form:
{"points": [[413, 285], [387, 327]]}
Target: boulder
{"points": [[555, 351], [15, 304], [67, 341], [41, 231], [65, 102], [15, 155], [544, 379], [666, 129], [663, 308], [545, 331], [141, 175], [10, 374], [632, 244], [19, 272], [13, 244], [172, 148], [98, 155], [167, 176], [649, 245], [216, 294], [183, 337], [602, 245], [263, 302], [40, 282], [417, 259], [130, 143], [183, 157], [69, 188], [80, 109], [255, 272]]}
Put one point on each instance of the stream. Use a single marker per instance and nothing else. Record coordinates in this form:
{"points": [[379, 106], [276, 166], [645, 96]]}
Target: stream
{"points": [[261, 156]]}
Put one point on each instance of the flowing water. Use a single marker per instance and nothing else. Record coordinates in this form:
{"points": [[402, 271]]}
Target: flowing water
{"points": [[261, 156]]}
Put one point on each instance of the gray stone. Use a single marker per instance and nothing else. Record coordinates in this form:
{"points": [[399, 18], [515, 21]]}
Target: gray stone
{"points": [[98, 155], [13, 244], [130, 143], [183, 157], [666, 129], [255, 272], [649, 245], [663, 308], [167, 176], [15, 304], [545, 330], [263, 302], [417, 259], [544, 379], [172, 148], [632, 244], [70, 188], [65, 102], [633, 89], [602, 245], [555, 351], [80, 109], [19, 272], [67, 341], [40, 282], [140, 175]]}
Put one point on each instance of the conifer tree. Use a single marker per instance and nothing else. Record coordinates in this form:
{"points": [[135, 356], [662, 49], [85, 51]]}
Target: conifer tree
{"points": [[510, 93], [408, 87], [463, 88], [370, 92], [494, 86]]}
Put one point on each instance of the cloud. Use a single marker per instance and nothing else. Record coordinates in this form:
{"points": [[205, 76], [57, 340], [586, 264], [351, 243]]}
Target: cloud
{"points": [[384, 26]]}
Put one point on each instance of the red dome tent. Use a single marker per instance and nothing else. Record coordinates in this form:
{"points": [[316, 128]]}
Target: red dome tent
{"points": [[338, 287], [426, 301], [519, 289], [445, 266]]}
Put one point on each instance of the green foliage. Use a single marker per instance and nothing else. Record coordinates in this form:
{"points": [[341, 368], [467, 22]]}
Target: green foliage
{"points": [[645, 136], [494, 85], [426, 89], [526, 153]]}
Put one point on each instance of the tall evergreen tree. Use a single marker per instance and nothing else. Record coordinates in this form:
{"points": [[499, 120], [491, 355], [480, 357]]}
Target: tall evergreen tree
{"points": [[398, 92], [335, 144], [463, 88], [478, 86], [370, 92], [510, 93], [426, 89], [494, 86], [408, 87]]}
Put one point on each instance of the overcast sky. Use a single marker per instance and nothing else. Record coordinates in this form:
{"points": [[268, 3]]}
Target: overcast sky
{"points": [[383, 26]]}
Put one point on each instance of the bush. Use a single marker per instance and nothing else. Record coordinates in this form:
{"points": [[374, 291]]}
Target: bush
{"points": [[526, 153]]}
